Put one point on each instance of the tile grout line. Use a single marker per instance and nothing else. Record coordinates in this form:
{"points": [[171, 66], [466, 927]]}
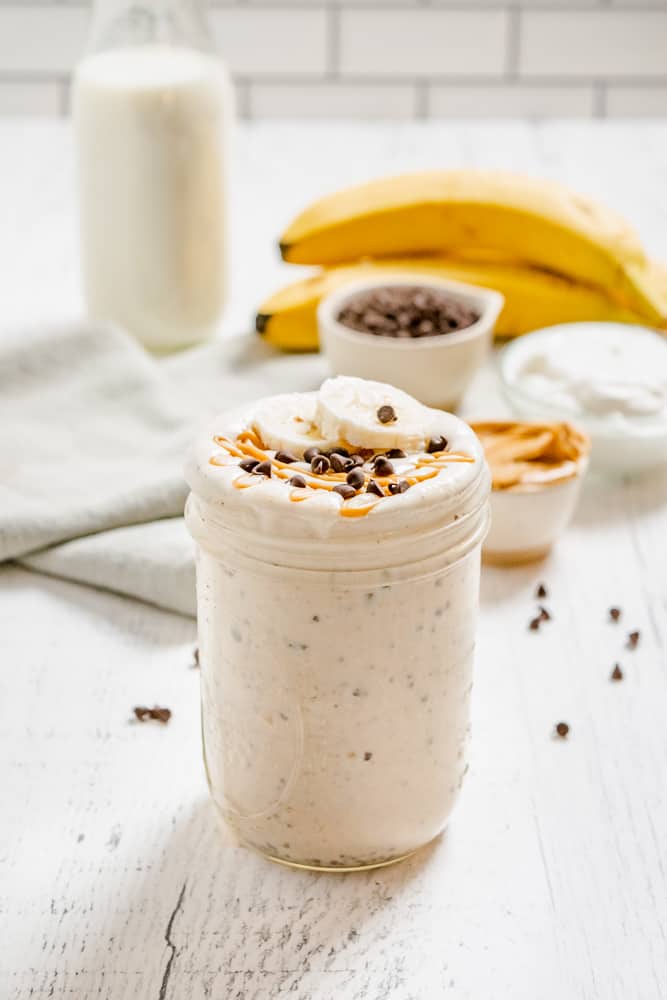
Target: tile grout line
{"points": [[599, 99], [422, 100], [64, 97], [583, 6], [477, 81]]}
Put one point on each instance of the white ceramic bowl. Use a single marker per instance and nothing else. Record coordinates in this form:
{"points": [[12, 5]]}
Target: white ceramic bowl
{"points": [[618, 446], [525, 524], [436, 370]]}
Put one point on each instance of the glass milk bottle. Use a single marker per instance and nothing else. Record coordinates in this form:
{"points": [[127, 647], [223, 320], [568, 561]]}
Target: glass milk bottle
{"points": [[152, 109]]}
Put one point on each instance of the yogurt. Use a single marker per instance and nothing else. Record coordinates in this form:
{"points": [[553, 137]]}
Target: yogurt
{"points": [[609, 378], [150, 126], [336, 631]]}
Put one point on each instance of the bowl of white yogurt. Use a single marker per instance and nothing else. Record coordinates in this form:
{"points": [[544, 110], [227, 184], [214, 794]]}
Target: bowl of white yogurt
{"points": [[609, 378]]}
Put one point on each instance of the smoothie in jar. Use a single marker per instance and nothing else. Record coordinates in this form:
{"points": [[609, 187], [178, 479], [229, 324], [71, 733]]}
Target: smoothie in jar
{"points": [[339, 537]]}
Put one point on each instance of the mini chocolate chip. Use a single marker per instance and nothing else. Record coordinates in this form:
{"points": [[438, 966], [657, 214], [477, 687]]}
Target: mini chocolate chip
{"points": [[617, 673], [298, 481], [143, 714], [436, 444], [310, 453], [541, 591], [535, 624], [249, 464], [400, 487], [356, 478], [347, 492], [633, 640], [340, 463], [342, 451], [368, 755], [614, 614], [562, 729], [544, 614], [264, 469], [386, 414], [320, 464], [383, 467], [374, 488], [396, 453], [285, 456], [356, 460]]}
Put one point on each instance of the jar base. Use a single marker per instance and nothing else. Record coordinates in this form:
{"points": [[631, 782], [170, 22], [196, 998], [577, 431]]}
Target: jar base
{"points": [[338, 869], [231, 833]]}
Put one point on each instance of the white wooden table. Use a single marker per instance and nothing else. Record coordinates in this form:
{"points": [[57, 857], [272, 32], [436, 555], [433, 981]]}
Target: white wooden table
{"points": [[550, 883]]}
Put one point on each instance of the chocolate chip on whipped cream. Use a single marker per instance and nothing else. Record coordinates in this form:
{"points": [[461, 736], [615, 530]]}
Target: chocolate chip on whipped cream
{"points": [[320, 464], [436, 444], [345, 491], [402, 486], [264, 469], [356, 478], [286, 457], [249, 464], [298, 481], [614, 614], [374, 488], [386, 414], [340, 462], [383, 467]]}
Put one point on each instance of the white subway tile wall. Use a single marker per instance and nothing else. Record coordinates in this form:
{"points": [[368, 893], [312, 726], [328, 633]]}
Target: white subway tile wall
{"points": [[376, 59]]}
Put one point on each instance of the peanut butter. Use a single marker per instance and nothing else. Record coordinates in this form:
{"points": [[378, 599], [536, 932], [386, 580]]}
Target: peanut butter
{"points": [[530, 456]]}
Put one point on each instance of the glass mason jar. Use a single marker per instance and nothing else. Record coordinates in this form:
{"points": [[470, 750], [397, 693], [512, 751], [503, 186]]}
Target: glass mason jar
{"points": [[152, 108], [336, 677]]}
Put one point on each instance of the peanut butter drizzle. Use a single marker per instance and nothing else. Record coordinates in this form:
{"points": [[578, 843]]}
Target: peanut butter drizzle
{"points": [[358, 511], [531, 454], [248, 445]]}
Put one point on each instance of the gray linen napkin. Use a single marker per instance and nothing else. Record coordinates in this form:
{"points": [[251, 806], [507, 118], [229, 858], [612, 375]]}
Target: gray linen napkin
{"points": [[93, 436]]}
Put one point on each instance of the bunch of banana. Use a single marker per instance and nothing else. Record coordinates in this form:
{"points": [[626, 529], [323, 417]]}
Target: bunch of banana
{"points": [[554, 255]]}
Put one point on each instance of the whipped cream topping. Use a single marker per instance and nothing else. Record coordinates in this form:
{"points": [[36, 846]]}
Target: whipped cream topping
{"points": [[527, 456], [605, 372], [389, 462]]}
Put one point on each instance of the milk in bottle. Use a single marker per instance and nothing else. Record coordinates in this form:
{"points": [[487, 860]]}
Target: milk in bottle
{"points": [[152, 109]]}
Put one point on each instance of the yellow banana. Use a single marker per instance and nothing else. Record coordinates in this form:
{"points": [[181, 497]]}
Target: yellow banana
{"points": [[536, 221], [533, 298]]}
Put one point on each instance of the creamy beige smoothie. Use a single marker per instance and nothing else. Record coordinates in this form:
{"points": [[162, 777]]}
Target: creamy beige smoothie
{"points": [[339, 538]]}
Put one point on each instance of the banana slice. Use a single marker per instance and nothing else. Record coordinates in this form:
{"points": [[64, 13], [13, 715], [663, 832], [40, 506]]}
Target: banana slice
{"points": [[351, 410], [289, 423]]}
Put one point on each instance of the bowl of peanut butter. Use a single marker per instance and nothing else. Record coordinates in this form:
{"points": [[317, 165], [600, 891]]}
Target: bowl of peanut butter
{"points": [[537, 470]]}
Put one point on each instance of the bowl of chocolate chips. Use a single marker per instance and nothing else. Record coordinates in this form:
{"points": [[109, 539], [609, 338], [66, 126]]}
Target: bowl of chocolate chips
{"points": [[427, 336]]}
